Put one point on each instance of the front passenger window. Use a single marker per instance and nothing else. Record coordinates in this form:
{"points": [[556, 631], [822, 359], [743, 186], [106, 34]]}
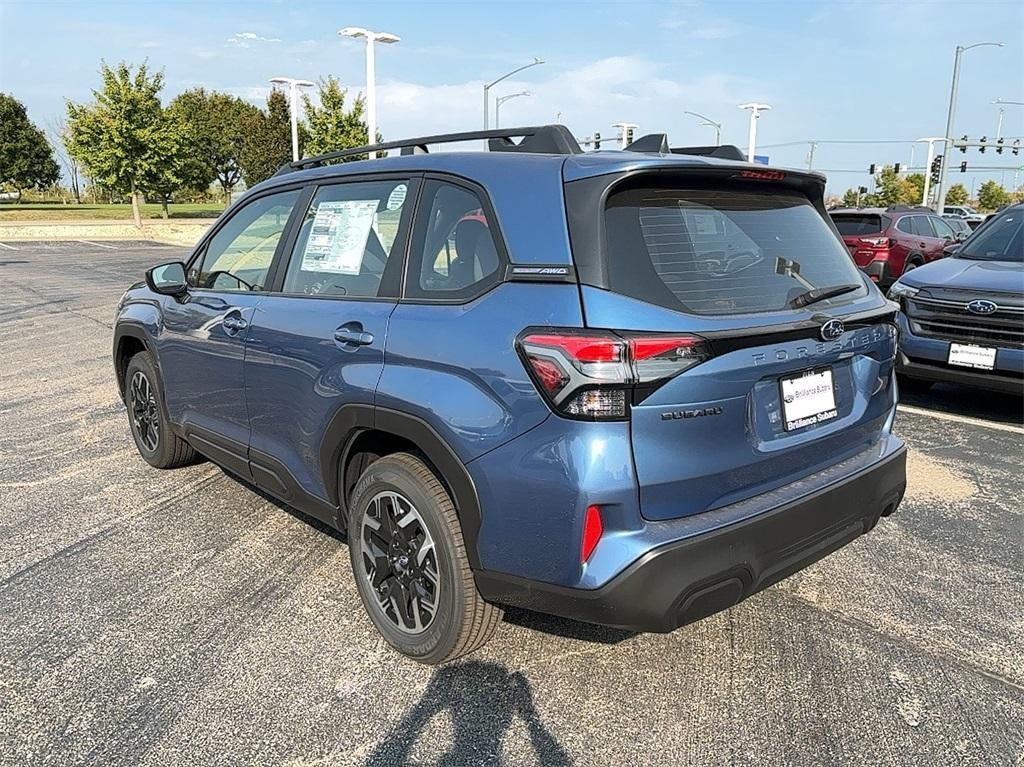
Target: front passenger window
{"points": [[238, 257]]}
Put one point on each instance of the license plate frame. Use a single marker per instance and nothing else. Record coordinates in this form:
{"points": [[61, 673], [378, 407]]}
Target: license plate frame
{"points": [[972, 356], [817, 406]]}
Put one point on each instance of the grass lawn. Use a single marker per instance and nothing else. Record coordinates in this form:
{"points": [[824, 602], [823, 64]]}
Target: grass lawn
{"points": [[55, 211]]}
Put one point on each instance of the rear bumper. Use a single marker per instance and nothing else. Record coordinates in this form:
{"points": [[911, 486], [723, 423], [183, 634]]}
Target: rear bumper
{"points": [[689, 579], [879, 272]]}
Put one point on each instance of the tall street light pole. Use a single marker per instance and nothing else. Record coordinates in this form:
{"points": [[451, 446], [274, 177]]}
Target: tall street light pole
{"points": [[928, 164], [711, 124], [498, 101], [293, 87], [755, 114], [1001, 103], [487, 88], [371, 75], [940, 199]]}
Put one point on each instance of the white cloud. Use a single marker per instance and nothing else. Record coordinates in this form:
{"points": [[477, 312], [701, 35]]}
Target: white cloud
{"points": [[245, 39]]}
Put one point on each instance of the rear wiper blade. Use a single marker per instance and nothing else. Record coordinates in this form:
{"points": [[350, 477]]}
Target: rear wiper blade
{"points": [[820, 294]]}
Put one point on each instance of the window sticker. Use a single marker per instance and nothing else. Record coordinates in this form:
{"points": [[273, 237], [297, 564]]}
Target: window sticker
{"points": [[337, 241], [397, 197]]}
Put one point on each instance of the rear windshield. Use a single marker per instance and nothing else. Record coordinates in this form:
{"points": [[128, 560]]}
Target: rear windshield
{"points": [[858, 223], [723, 251]]}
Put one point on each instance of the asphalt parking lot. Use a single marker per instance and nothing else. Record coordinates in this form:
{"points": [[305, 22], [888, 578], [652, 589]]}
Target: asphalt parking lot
{"points": [[178, 618]]}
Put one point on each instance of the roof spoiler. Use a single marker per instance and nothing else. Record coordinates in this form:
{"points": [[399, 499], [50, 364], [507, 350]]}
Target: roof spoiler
{"points": [[657, 143]]}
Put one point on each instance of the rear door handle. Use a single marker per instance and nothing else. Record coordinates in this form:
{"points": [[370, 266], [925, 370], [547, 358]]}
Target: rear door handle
{"points": [[353, 336]]}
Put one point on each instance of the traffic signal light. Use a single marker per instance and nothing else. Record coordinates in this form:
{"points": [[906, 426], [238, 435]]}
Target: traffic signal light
{"points": [[629, 136], [1016, 146], [964, 140], [597, 141], [936, 168], [863, 190], [871, 169], [999, 147], [982, 140], [896, 168], [963, 166]]}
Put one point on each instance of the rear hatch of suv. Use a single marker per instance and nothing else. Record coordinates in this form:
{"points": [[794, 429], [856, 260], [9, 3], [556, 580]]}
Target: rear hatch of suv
{"points": [[863, 235], [743, 374]]}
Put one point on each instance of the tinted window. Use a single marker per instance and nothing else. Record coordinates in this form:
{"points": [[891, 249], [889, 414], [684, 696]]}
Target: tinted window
{"points": [[942, 229], [906, 224], [454, 253], [239, 255], [923, 226], [722, 251], [857, 224], [347, 236], [1001, 239]]}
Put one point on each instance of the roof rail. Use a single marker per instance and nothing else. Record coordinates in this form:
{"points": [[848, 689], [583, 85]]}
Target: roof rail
{"points": [[901, 208], [722, 151], [542, 139]]}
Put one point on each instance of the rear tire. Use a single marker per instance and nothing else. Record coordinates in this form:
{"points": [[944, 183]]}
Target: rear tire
{"points": [[147, 416], [410, 565]]}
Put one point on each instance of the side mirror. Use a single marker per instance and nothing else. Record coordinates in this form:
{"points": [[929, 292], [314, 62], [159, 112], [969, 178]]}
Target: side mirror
{"points": [[167, 279], [961, 236], [950, 250]]}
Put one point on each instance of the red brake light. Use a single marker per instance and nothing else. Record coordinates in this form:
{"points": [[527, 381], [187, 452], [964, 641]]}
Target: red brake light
{"points": [[761, 175], [593, 529], [583, 348]]}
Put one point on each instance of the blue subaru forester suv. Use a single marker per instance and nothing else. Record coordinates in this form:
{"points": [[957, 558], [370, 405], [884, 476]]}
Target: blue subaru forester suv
{"points": [[626, 387]]}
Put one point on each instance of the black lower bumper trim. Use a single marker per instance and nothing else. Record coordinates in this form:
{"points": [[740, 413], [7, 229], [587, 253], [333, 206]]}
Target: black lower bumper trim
{"points": [[991, 381], [690, 579]]}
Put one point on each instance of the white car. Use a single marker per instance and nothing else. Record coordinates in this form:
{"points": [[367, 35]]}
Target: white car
{"points": [[968, 214]]}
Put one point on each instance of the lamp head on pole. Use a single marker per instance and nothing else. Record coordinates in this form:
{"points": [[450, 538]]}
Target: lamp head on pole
{"points": [[376, 37]]}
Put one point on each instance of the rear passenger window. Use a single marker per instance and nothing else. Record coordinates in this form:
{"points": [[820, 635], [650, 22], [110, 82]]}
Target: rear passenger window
{"points": [[454, 253], [346, 239]]}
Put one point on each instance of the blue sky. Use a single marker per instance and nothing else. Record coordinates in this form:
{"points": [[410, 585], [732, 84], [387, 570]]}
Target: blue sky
{"points": [[839, 70]]}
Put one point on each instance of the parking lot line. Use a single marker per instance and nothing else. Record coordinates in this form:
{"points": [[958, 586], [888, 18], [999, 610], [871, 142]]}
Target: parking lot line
{"points": [[7, 247], [97, 244], [961, 419]]}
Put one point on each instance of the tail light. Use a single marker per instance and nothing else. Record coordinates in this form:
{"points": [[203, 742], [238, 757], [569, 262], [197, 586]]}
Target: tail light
{"points": [[590, 374], [876, 242]]}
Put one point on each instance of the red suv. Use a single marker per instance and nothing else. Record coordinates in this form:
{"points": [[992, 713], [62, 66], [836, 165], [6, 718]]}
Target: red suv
{"points": [[887, 242]]}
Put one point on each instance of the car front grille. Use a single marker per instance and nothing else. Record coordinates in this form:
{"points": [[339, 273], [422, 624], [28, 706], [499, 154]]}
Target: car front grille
{"points": [[948, 318]]}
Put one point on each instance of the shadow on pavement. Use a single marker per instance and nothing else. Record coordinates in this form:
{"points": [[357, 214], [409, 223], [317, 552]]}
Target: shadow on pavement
{"points": [[481, 698], [963, 400], [564, 627]]}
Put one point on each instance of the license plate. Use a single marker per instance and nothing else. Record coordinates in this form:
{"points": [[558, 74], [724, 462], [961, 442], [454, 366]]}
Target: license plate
{"points": [[808, 399], [971, 356]]}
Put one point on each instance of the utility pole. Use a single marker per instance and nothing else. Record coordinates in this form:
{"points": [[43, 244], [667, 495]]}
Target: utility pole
{"points": [[755, 110], [940, 200], [810, 154], [293, 87], [711, 124], [1001, 103]]}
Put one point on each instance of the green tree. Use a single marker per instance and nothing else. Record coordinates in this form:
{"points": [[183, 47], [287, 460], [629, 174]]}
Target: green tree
{"points": [[26, 157], [268, 140], [170, 172], [991, 195], [914, 183], [332, 127], [119, 138], [892, 189], [851, 197], [957, 195], [213, 126]]}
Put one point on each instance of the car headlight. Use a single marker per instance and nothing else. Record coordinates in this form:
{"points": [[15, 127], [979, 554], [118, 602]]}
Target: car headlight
{"points": [[898, 290]]}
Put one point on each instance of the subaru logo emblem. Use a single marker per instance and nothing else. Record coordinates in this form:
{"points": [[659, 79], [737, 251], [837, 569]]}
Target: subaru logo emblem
{"points": [[981, 306], [831, 330]]}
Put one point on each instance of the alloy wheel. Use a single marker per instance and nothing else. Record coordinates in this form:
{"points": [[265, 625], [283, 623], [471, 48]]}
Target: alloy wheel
{"points": [[400, 562], [144, 412]]}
